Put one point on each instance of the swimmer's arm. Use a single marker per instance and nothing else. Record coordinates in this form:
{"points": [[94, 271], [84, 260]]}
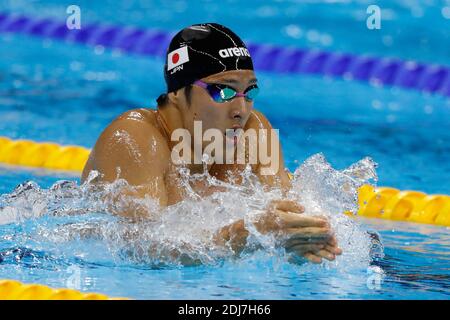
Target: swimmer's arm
{"points": [[233, 236], [306, 237], [273, 174], [136, 152]]}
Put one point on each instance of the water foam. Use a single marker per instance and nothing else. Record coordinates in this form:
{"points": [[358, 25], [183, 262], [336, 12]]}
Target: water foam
{"points": [[183, 233]]}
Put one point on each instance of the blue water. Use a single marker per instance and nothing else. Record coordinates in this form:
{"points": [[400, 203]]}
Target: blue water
{"points": [[52, 91]]}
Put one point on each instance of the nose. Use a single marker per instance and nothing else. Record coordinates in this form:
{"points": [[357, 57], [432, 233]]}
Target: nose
{"points": [[239, 108]]}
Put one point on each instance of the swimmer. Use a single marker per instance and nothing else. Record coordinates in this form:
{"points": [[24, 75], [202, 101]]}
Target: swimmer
{"points": [[210, 80]]}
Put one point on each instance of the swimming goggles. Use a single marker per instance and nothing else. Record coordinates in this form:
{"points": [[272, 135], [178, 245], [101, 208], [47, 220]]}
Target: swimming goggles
{"points": [[223, 93]]}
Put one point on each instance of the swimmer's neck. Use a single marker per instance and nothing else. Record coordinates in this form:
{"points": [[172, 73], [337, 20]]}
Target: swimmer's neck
{"points": [[173, 120]]}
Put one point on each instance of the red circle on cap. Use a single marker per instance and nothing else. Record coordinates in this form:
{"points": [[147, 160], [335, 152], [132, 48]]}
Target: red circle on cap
{"points": [[175, 58]]}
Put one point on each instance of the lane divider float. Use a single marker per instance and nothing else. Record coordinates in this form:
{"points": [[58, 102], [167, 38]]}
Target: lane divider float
{"points": [[15, 290], [411, 206], [42, 154], [431, 78]]}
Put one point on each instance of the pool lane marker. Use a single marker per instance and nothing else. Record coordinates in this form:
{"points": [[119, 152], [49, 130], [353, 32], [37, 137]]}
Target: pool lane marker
{"points": [[431, 78], [383, 202], [15, 290], [42, 154], [411, 206]]}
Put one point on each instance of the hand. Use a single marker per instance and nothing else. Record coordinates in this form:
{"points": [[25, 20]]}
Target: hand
{"points": [[305, 236]]}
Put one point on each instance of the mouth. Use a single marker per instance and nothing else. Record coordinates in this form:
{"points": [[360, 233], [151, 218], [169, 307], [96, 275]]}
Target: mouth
{"points": [[232, 134]]}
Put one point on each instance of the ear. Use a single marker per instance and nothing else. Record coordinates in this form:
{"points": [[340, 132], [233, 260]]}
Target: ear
{"points": [[178, 98], [174, 97]]}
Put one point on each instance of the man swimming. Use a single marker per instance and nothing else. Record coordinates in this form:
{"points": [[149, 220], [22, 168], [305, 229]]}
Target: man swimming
{"points": [[210, 81]]}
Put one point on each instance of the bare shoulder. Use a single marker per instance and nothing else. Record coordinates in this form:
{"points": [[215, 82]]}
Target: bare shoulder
{"points": [[134, 128], [132, 144], [141, 114], [139, 122], [257, 120]]}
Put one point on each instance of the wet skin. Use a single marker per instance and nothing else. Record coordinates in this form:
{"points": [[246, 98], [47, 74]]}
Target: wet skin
{"points": [[137, 147]]}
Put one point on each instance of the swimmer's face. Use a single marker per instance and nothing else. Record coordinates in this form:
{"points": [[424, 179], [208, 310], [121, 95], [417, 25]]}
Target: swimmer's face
{"points": [[222, 116]]}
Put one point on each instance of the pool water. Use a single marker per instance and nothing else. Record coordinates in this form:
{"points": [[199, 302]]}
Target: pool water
{"points": [[65, 93]]}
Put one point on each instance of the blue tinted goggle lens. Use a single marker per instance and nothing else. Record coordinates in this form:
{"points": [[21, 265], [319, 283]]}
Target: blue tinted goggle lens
{"points": [[222, 93], [251, 92]]}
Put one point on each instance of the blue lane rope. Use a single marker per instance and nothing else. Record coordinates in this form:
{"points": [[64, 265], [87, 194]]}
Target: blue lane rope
{"points": [[375, 70]]}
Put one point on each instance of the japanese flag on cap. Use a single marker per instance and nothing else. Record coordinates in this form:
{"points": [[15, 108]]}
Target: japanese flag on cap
{"points": [[177, 57]]}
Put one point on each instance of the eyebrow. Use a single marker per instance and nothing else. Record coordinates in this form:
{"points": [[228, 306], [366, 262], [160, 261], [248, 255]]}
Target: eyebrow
{"points": [[233, 81]]}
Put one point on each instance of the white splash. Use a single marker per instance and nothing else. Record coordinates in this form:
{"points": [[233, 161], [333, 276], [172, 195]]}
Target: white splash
{"points": [[183, 233]]}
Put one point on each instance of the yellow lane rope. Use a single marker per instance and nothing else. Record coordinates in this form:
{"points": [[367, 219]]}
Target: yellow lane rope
{"points": [[411, 206], [384, 203], [42, 154], [15, 290]]}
